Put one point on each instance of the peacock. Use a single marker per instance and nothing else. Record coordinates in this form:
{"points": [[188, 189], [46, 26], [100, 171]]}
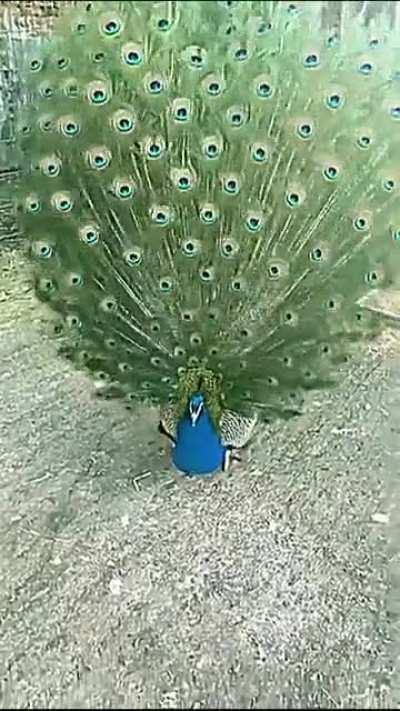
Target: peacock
{"points": [[209, 190]]}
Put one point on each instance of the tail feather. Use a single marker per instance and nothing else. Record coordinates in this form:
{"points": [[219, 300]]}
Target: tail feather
{"points": [[216, 185]]}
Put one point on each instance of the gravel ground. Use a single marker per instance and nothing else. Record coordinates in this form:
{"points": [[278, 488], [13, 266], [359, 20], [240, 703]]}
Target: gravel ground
{"points": [[123, 585]]}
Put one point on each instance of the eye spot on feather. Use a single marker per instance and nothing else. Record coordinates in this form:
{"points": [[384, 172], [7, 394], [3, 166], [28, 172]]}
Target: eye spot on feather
{"points": [[161, 215], [111, 27], [98, 158], [212, 147], [388, 184], [191, 247], [195, 339], [272, 382], [332, 41], [32, 204], [334, 101], [238, 284], [47, 286], [236, 116], [123, 121], [366, 68], [395, 112], [36, 65], [46, 124], [166, 285], [164, 24], [98, 57], [98, 93], [290, 318], [50, 167], [317, 255], [43, 250], [308, 375], [311, 61], [209, 214], [193, 361], [195, 57], [264, 89], [154, 147], [364, 141], [132, 55], [183, 180], [62, 202], [241, 54], [325, 349], [123, 188], [73, 321], [155, 86], [207, 274], [71, 89], [254, 222], [230, 185], [156, 361], [74, 280], [361, 224], [229, 248], [213, 85], [277, 269], [263, 27], [46, 90], [259, 152], [79, 28], [372, 278], [396, 234], [108, 305], [63, 62], [155, 327], [333, 304], [304, 130], [181, 110], [89, 234], [69, 126], [331, 173], [133, 257], [293, 199]]}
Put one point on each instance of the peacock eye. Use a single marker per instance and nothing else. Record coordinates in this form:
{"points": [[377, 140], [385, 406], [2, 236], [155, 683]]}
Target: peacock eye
{"points": [[164, 24], [311, 60], [305, 130], [293, 199], [334, 101]]}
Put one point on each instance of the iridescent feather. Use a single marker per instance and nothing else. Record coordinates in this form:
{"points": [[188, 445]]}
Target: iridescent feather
{"points": [[209, 190]]}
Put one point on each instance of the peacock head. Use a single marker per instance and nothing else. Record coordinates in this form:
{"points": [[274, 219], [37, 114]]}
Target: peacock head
{"points": [[196, 407]]}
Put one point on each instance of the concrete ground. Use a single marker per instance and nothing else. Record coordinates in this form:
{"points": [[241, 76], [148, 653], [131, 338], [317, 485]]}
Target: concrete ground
{"points": [[125, 586]]}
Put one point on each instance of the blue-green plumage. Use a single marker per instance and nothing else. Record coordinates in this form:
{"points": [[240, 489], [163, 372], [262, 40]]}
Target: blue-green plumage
{"points": [[198, 448], [210, 191]]}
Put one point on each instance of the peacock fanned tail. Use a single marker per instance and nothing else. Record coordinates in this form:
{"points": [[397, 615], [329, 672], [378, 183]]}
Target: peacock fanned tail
{"points": [[209, 189]]}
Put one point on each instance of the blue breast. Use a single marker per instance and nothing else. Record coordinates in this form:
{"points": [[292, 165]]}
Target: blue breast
{"points": [[198, 448]]}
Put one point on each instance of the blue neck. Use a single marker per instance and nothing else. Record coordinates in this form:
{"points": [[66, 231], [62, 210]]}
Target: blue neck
{"points": [[198, 447]]}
